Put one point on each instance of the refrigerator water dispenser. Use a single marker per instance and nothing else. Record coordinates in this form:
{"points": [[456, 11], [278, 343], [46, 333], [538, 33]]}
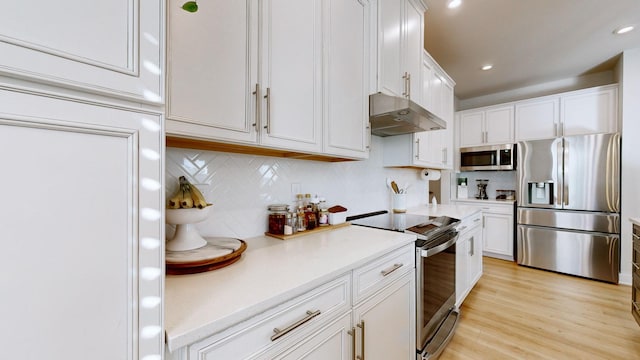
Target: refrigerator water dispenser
{"points": [[540, 193]]}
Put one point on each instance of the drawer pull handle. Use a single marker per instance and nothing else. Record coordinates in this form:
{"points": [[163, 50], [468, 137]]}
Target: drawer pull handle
{"points": [[636, 306], [462, 228], [393, 268], [635, 266], [476, 220], [352, 332], [361, 326], [279, 333]]}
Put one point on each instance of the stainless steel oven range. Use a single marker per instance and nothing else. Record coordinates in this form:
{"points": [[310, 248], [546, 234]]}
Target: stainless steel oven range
{"points": [[436, 311]]}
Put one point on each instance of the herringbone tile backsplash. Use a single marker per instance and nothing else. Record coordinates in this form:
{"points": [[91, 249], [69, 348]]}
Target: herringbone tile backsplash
{"points": [[242, 186]]}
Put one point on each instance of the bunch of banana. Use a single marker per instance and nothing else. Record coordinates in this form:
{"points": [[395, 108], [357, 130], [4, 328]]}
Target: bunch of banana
{"points": [[188, 196]]}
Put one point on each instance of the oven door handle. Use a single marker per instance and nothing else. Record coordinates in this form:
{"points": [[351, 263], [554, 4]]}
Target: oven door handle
{"points": [[424, 252]]}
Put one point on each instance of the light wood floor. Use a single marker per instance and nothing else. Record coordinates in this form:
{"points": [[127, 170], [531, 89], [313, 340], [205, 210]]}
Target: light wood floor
{"points": [[515, 312]]}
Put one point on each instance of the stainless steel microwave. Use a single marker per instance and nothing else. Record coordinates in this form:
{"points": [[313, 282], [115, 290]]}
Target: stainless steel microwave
{"points": [[493, 157]]}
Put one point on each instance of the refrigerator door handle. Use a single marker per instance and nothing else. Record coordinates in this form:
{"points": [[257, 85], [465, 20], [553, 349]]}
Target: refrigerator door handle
{"points": [[565, 174], [559, 174]]}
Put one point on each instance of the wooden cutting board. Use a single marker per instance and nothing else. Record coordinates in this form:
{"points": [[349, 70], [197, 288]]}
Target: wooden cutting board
{"points": [[218, 253]]}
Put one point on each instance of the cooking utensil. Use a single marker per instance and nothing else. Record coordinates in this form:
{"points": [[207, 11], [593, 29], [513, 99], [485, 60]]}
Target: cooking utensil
{"points": [[394, 186]]}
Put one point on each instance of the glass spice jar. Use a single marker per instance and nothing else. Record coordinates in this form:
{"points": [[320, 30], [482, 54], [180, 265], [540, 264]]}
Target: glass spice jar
{"points": [[277, 218]]}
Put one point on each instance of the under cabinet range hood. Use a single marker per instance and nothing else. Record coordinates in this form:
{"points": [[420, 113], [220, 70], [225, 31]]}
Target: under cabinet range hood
{"points": [[395, 115]]}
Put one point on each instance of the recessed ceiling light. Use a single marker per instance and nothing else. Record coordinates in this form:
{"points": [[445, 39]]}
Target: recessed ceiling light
{"points": [[623, 29], [487, 67], [454, 4]]}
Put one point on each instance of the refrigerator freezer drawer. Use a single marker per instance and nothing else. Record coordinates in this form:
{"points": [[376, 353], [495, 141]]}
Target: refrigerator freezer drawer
{"points": [[567, 219], [590, 255]]}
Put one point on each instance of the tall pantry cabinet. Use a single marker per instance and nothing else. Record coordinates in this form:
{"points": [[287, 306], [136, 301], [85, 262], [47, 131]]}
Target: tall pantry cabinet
{"points": [[81, 134]]}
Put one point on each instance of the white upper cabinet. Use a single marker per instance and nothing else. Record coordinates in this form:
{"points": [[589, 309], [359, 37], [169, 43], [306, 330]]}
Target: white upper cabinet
{"points": [[537, 118], [287, 75], [400, 46], [588, 111], [291, 74], [486, 126], [108, 47], [347, 67], [209, 95]]}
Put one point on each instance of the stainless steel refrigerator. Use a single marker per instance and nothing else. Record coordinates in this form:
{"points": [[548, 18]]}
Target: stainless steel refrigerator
{"points": [[569, 205]]}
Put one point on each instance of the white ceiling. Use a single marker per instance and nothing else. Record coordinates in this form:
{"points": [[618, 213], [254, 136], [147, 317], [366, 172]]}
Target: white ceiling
{"points": [[529, 42]]}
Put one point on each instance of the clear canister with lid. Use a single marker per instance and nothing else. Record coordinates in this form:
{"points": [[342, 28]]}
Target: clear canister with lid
{"points": [[277, 218]]}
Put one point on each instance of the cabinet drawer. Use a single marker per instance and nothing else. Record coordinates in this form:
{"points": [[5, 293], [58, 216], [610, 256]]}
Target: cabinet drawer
{"points": [[294, 319], [372, 277], [470, 223], [498, 209]]}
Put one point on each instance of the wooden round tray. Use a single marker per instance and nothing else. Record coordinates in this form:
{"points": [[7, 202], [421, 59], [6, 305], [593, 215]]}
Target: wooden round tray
{"points": [[218, 253]]}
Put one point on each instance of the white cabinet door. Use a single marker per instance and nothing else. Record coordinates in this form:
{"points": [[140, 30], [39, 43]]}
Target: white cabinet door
{"points": [[590, 111], [471, 128], [498, 235], [385, 323], [499, 125], [84, 231], [486, 126], [291, 74], [390, 37], [212, 96], [330, 342], [413, 28], [400, 43], [474, 254], [111, 47], [537, 119], [346, 110], [462, 271]]}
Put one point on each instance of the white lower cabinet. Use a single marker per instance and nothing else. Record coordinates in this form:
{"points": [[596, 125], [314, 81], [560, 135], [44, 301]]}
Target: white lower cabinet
{"points": [[468, 256], [385, 324], [370, 308], [497, 228], [332, 341], [498, 235]]}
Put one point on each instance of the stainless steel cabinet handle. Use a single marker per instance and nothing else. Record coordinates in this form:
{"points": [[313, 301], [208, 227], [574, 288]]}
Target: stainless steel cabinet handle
{"points": [[352, 332], [472, 248], [391, 269], [476, 220], [267, 96], [408, 86], [635, 266], [405, 93], [257, 94], [635, 305], [461, 229], [444, 155], [368, 135], [418, 148], [361, 326], [279, 333]]}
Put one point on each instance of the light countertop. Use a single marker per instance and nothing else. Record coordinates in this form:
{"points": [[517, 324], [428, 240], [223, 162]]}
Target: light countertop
{"points": [[488, 201], [269, 272], [456, 211]]}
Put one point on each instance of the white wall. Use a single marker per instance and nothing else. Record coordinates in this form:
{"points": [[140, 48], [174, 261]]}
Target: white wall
{"points": [[630, 90], [548, 88], [242, 186]]}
